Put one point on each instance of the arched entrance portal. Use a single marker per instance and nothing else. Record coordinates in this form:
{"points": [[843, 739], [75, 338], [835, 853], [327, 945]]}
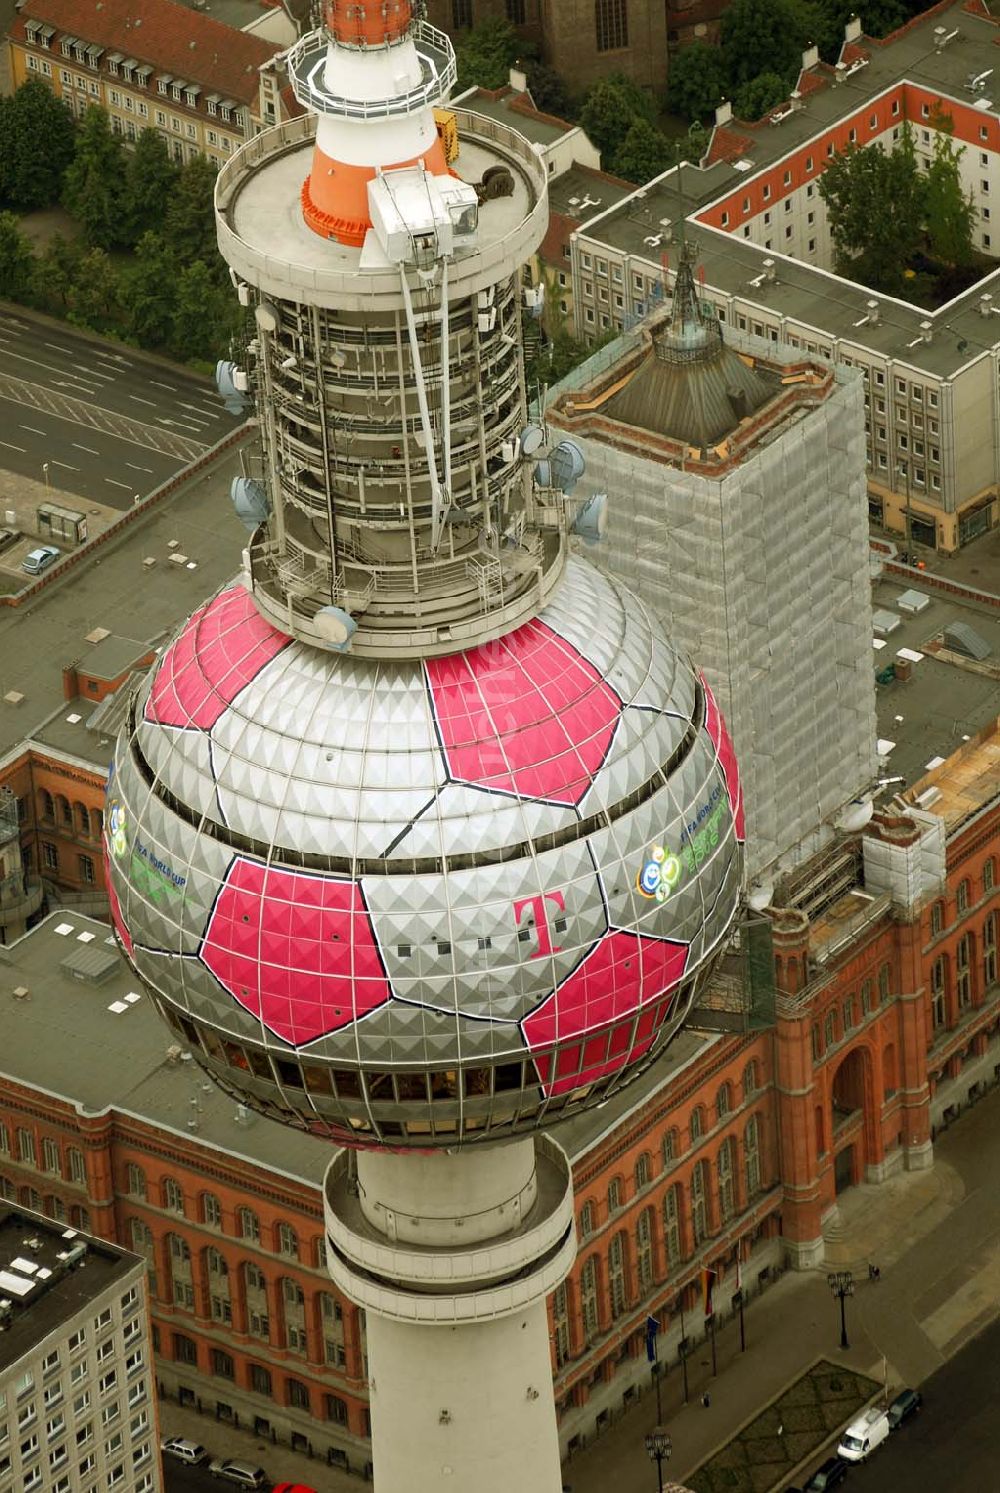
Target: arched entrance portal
{"points": [[850, 1098]]}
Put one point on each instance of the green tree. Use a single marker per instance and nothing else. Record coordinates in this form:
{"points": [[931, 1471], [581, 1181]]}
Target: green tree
{"points": [[56, 272], [761, 36], [610, 109], [949, 214], [190, 221], [549, 91], [760, 95], [94, 297], [94, 187], [150, 182], [486, 54], [205, 316], [36, 146], [875, 209], [17, 262], [697, 81], [148, 293], [643, 154]]}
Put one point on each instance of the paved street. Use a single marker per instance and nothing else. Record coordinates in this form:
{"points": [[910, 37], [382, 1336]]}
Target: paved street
{"points": [[953, 1442], [109, 423]]}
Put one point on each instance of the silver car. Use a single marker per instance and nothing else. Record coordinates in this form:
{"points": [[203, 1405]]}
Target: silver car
{"points": [[40, 559], [240, 1474], [183, 1450]]}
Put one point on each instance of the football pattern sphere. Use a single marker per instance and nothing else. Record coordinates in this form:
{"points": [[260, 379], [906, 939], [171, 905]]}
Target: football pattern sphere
{"points": [[419, 903]]}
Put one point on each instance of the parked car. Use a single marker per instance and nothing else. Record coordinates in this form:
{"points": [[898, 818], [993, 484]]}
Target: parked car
{"points": [[8, 537], [832, 1472], [864, 1434], [183, 1450], [240, 1474], [40, 559], [292, 1488], [906, 1403]]}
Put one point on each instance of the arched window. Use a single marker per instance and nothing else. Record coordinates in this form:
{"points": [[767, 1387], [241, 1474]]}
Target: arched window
{"points": [[64, 813], [141, 1238], [588, 1299], [884, 981], [671, 1148], [46, 806], [644, 1250], [135, 1181], [751, 1081], [248, 1225], [586, 1220], [963, 971], [319, 1252], [725, 1168], [962, 897], [989, 874], [889, 1083], [699, 1204], [560, 1324], [181, 1280], [298, 1395], [751, 1157], [82, 816], [723, 1101], [937, 918], [211, 1210], [866, 998], [938, 993], [697, 1123], [288, 1243], [219, 1301], [642, 1170], [335, 1409], [55, 1208], [173, 1197], [672, 1225], [332, 1321], [617, 1290], [294, 1299], [255, 1295], [77, 1166], [990, 951], [79, 1216], [614, 1195]]}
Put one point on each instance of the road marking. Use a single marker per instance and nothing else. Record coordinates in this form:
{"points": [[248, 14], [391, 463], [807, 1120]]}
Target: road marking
{"points": [[171, 387], [11, 447], [64, 372], [84, 412], [56, 348], [129, 485], [138, 400], [198, 410], [108, 378], [54, 463], [76, 445], [35, 431], [139, 469]]}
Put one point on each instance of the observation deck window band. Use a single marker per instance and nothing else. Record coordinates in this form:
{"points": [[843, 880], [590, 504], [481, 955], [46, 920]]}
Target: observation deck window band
{"points": [[435, 865], [439, 72]]}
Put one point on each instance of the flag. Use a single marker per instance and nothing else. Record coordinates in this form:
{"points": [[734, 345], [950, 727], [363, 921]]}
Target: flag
{"points": [[707, 1284], [652, 1328]]}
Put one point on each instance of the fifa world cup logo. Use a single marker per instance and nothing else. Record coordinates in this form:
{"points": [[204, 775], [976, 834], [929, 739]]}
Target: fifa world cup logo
{"points": [[116, 831], [659, 875]]}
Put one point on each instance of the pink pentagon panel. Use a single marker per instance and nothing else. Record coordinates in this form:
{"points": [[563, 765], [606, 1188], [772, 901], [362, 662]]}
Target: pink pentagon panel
{"points": [[224, 645], [526, 715], [118, 922], [295, 950], [622, 974], [716, 728]]}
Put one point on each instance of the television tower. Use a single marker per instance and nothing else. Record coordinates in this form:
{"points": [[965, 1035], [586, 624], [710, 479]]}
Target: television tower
{"points": [[420, 834]]}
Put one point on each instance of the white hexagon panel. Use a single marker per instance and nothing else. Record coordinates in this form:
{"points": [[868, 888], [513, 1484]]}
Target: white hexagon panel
{"points": [[426, 903]]}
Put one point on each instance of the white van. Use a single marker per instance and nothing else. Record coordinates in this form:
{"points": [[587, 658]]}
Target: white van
{"points": [[864, 1435]]}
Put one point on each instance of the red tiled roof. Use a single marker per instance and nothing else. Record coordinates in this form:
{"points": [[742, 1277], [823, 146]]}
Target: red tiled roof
{"points": [[170, 37], [852, 52], [727, 145]]}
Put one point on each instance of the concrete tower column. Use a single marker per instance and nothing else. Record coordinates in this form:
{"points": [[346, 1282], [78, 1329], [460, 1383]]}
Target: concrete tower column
{"points": [[452, 1257]]}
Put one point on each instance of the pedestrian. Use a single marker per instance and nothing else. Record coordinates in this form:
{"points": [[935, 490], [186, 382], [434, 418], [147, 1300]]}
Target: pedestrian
{"points": [[874, 1273], [706, 1399]]}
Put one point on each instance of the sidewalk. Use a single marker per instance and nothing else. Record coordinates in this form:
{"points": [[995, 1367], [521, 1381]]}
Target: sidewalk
{"points": [[279, 1462], [936, 1239]]}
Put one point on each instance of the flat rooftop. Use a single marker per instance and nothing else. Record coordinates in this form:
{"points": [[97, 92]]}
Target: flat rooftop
{"points": [[41, 1279], [570, 189], [967, 781], [943, 705], [810, 296], [540, 129], [113, 588]]}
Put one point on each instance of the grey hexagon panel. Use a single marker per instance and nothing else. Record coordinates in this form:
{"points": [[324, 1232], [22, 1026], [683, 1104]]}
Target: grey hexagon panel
{"points": [[373, 890]]}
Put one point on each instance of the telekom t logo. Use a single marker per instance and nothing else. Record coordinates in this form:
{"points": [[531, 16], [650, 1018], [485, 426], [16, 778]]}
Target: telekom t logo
{"points": [[541, 921]]}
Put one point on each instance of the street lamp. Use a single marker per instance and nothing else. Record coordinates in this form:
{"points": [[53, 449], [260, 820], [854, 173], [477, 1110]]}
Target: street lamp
{"points": [[841, 1283], [658, 1449], [45, 472]]}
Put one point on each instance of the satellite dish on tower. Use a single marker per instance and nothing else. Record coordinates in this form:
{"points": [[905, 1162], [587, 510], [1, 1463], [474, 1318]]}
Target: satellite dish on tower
{"points": [[250, 501], [567, 466], [531, 439], [335, 627], [591, 520]]}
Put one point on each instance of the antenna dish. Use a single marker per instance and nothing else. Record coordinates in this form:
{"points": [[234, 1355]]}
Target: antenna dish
{"points": [[531, 439], [567, 465], [250, 501], [591, 520], [335, 627]]}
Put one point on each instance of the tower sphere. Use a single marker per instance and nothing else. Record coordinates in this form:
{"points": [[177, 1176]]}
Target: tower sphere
{"points": [[414, 903]]}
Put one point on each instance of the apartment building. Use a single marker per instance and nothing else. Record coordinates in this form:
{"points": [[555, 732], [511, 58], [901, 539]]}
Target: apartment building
{"points": [[152, 64], [77, 1410], [931, 377]]}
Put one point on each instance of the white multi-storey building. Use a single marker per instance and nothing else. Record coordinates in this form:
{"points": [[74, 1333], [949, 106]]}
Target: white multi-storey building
{"points": [[76, 1378]]}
